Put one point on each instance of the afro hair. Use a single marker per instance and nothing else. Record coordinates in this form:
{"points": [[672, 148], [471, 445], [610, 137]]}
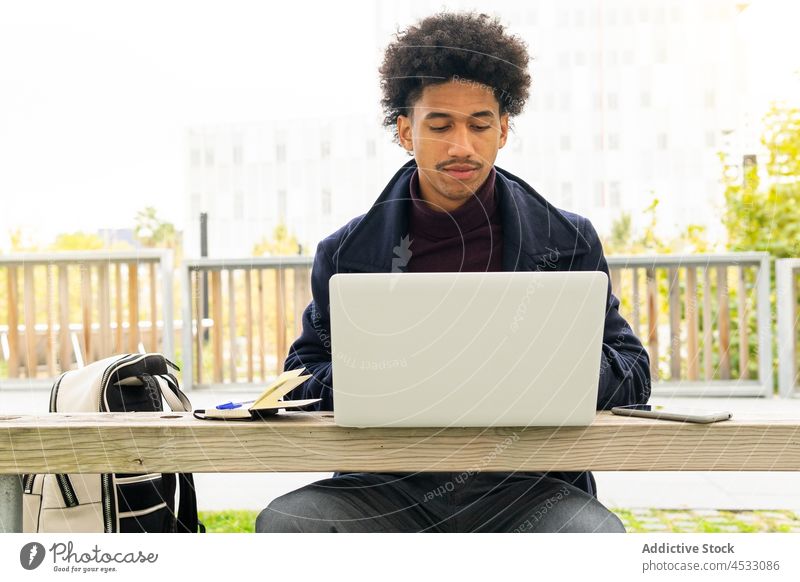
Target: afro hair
{"points": [[464, 46]]}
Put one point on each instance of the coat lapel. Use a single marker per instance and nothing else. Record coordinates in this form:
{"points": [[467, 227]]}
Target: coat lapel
{"points": [[535, 234]]}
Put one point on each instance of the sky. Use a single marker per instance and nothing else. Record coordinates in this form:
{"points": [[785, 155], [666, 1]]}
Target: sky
{"points": [[95, 97]]}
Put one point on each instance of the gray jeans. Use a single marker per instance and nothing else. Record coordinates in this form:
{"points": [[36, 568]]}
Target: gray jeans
{"points": [[438, 502]]}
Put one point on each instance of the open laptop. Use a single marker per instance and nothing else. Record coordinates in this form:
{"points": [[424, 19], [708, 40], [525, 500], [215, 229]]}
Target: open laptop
{"points": [[466, 349]]}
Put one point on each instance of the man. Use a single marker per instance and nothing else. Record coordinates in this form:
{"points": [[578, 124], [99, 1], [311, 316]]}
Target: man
{"points": [[450, 85]]}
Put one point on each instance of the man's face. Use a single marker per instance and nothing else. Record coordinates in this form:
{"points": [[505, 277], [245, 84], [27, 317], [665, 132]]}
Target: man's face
{"points": [[455, 130]]}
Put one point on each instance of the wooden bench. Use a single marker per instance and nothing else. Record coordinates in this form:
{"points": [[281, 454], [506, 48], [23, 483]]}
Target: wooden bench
{"points": [[295, 442]]}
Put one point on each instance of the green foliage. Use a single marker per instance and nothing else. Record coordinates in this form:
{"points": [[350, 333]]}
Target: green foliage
{"points": [[782, 139], [229, 521], [622, 241], [282, 242], [152, 231], [20, 243], [77, 241], [767, 218]]}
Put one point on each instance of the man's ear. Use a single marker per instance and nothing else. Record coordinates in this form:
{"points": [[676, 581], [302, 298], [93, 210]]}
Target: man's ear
{"points": [[503, 129], [405, 133]]}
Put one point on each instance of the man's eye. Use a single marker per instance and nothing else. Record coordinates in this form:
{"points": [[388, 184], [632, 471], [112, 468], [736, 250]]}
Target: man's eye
{"points": [[441, 128], [481, 127]]}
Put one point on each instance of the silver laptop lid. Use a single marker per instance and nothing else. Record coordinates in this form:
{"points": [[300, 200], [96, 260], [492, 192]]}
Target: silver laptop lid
{"points": [[466, 349]]}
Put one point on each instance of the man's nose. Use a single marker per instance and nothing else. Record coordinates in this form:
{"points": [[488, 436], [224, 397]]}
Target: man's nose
{"points": [[460, 144]]}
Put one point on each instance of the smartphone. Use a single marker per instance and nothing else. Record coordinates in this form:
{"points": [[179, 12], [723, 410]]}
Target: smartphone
{"points": [[672, 413]]}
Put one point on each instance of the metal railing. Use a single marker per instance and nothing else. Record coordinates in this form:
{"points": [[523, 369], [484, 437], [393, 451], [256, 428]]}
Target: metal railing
{"points": [[704, 319], [696, 327], [233, 345], [786, 293]]}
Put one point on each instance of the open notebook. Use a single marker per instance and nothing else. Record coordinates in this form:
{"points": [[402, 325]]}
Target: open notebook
{"points": [[268, 403]]}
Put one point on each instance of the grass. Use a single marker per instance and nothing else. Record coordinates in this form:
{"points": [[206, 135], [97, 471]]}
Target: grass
{"points": [[229, 521], [636, 521]]}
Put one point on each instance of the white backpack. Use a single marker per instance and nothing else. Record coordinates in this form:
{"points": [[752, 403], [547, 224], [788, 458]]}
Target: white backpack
{"points": [[113, 502]]}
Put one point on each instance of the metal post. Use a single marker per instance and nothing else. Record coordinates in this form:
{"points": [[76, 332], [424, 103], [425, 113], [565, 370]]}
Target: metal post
{"points": [[168, 339], [186, 331], [764, 327], [10, 504], [204, 254], [786, 300]]}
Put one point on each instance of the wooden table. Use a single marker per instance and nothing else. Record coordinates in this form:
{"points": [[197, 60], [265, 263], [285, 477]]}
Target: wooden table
{"points": [[176, 442]]}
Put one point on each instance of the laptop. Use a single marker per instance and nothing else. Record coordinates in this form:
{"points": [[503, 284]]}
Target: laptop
{"points": [[466, 349]]}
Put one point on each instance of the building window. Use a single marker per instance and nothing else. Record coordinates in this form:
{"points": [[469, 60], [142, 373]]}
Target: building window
{"points": [[325, 149], [580, 58], [371, 148], [326, 202], [613, 141], [209, 156], [598, 142], [662, 141], [711, 139], [195, 200], [282, 206], [563, 59], [710, 99], [280, 152], [661, 52], [237, 155], [195, 157], [566, 194], [599, 195], [612, 101], [645, 99], [614, 196], [627, 57], [238, 205], [566, 143]]}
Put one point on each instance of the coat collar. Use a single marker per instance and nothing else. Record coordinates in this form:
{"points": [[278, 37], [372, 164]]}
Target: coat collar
{"points": [[534, 232]]}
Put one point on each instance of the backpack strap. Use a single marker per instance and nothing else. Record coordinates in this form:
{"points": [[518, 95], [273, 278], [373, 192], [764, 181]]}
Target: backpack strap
{"points": [[187, 506], [174, 396]]}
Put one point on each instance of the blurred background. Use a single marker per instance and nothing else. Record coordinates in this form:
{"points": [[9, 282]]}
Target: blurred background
{"points": [[264, 115]]}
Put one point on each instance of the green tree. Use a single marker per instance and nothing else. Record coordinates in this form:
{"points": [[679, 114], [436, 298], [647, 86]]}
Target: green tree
{"points": [[19, 242], [152, 231], [767, 218], [280, 243], [77, 241]]}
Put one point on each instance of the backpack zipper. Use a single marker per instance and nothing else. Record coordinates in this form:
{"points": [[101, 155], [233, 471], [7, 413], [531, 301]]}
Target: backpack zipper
{"points": [[106, 502], [67, 492], [105, 480], [28, 482]]}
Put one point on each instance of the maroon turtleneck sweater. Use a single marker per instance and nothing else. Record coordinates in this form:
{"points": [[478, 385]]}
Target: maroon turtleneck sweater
{"points": [[468, 239]]}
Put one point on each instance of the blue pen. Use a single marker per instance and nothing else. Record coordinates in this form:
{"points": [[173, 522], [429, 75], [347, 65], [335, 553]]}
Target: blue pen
{"points": [[232, 405]]}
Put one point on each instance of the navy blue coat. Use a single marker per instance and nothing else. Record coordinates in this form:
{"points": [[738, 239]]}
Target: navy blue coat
{"points": [[536, 237]]}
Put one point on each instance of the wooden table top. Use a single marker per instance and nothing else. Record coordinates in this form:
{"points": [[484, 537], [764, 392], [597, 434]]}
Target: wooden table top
{"points": [[310, 441]]}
